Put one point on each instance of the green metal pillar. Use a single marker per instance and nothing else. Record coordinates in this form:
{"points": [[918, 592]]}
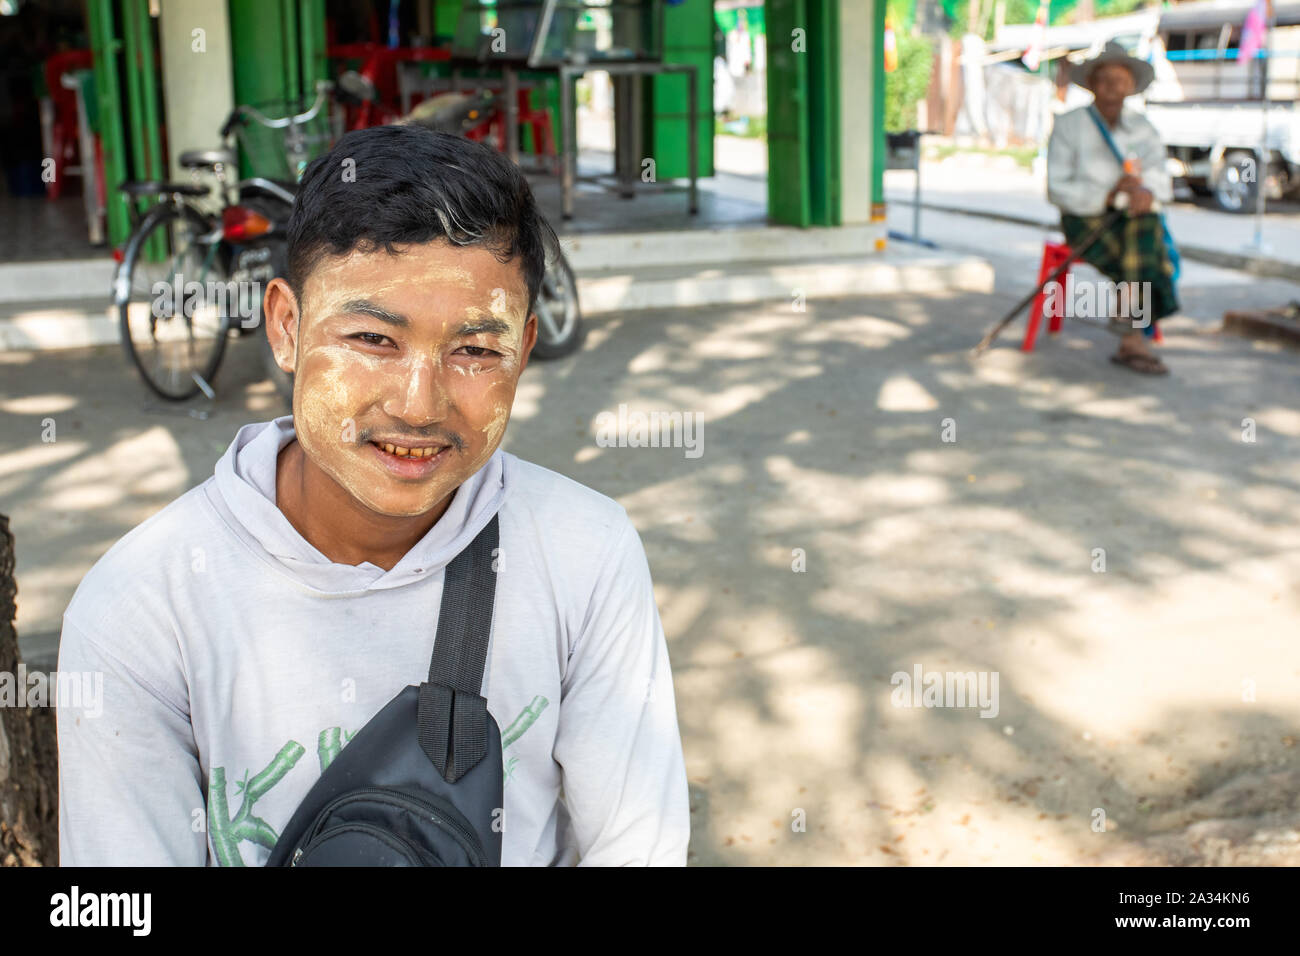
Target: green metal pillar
{"points": [[142, 95], [105, 46], [878, 112], [311, 30], [688, 38], [825, 106], [789, 160], [823, 65], [289, 45], [257, 43], [278, 50], [446, 14]]}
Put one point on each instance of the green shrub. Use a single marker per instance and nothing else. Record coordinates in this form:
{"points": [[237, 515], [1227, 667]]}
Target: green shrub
{"points": [[906, 86]]}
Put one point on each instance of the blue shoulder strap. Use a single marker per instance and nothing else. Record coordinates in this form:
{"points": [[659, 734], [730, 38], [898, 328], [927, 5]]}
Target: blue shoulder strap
{"points": [[1174, 257], [1105, 133]]}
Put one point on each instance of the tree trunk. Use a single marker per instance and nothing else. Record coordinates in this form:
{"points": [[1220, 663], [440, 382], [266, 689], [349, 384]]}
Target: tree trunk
{"points": [[29, 756]]}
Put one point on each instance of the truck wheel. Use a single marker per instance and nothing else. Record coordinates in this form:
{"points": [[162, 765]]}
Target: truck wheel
{"points": [[1236, 184]]}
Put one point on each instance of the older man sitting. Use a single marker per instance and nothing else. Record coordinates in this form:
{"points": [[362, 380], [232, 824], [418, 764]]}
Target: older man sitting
{"points": [[1102, 156]]}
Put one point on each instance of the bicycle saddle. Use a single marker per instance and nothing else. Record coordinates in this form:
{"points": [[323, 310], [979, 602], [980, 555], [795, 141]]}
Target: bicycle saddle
{"points": [[138, 188], [202, 158]]}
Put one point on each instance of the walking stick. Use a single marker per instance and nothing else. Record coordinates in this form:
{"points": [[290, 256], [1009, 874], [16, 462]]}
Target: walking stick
{"points": [[1089, 241]]}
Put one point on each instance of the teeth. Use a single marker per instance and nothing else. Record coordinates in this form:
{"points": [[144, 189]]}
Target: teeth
{"points": [[410, 453]]}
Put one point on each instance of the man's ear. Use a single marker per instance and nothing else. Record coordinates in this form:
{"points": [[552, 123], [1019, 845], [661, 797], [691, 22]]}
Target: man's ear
{"points": [[280, 315], [530, 339]]}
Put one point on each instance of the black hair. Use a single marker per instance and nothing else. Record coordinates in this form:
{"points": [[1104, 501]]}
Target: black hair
{"points": [[389, 185]]}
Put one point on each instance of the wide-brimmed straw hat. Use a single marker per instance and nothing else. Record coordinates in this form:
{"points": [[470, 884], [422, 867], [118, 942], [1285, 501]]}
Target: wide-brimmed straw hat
{"points": [[1143, 72]]}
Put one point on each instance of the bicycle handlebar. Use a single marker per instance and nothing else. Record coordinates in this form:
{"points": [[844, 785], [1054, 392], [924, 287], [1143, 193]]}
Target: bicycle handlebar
{"points": [[240, 113]]}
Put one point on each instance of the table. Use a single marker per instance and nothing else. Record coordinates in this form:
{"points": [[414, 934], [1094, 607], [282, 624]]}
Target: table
{"points": [[627, 126]]}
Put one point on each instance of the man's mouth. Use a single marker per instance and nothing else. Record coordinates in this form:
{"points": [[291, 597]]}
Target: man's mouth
{"points": [[411, 454], [411, 464]]}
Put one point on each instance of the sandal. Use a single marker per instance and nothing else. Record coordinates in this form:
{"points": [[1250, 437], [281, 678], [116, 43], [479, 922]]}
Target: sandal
{"points": [[1145, 364]]}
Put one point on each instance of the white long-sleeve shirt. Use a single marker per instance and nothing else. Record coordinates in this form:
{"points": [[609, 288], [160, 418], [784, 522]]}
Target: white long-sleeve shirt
{"points": [[229, 647], [1081, 169]]}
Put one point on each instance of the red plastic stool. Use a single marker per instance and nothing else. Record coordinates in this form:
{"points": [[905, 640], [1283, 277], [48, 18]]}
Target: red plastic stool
{"points": [[1054, 254], [538, 120]]}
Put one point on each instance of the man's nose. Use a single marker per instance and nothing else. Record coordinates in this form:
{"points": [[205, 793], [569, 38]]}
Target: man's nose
{"points": [[420, 396]]}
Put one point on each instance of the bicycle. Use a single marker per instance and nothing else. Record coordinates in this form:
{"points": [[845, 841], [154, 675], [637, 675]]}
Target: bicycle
{"points": [[198, 259]]}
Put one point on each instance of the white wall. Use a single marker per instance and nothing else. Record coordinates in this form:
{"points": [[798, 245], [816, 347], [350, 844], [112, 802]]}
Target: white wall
{"points": [[197, 85], [857, 52]]}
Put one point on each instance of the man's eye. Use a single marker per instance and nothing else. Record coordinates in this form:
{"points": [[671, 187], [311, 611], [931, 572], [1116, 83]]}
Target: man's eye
{"points": [[477, 351], [371, 338]]}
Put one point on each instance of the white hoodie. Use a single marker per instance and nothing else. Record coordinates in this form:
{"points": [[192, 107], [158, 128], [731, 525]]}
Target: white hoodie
{"points": [[238, 658]]}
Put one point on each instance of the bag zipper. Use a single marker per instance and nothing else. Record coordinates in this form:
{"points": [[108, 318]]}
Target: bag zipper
{"points": [[467, 839], [390, 838]]}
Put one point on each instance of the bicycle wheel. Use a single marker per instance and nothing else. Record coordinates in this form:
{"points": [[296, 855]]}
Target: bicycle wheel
{"points": [[559, 322], [175, 314]]}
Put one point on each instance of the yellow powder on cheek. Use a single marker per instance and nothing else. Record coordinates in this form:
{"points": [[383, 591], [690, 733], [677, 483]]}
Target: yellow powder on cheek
{"points": [[337, 386], [493, 429]]}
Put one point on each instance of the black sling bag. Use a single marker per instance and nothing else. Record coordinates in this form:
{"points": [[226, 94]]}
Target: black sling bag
{"points": [[421, 784]]}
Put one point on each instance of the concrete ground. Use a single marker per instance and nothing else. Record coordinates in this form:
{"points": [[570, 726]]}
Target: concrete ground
{"points": [[1163, 692], [1147, 713]]}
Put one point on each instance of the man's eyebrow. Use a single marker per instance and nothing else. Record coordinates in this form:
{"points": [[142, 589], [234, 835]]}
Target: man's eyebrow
{"points": [[484, 326], [366, 307]]}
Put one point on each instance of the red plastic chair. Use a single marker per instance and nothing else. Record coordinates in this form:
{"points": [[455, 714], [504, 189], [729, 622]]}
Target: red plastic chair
{"points": [[1054, 254], [539, 120], [67, 145]]}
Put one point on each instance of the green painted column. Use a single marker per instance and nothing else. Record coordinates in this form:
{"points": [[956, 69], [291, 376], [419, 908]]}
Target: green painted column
{"points": [[824, 117], [289, 45], [688, 38], [825, 104], [445, 15], [257, 40], [143, 115], [788, 182], [878, 112], [311, 30], [278, 51], [142, 89], [105, 46]]}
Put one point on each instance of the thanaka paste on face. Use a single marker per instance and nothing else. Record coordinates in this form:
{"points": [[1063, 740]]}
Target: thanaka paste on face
{"points": [[340, 383]]}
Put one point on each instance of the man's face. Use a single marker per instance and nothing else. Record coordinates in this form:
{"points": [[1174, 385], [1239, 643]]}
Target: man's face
{"points": [[1111, 84], [422, 351]]}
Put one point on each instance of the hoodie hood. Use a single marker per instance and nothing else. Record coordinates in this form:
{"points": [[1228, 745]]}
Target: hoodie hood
{"points": [[242, 491]]}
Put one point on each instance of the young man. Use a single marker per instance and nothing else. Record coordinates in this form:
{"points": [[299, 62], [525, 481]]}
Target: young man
{"points": [[1085, 178], [251, 627]]}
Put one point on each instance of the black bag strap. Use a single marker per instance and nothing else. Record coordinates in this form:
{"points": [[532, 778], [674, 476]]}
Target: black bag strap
{"points": [[453, 717]]}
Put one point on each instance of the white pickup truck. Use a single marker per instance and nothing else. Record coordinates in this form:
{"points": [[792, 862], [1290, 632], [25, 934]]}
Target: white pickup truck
{"points": [[1208, 106], [1215, 148], [1206, 102]]}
